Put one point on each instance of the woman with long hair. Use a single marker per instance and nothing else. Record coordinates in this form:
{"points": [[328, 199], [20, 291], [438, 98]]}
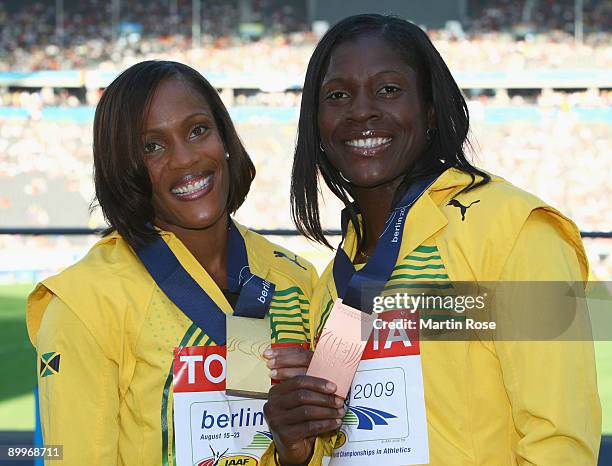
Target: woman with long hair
{"points": [[386, 127]]}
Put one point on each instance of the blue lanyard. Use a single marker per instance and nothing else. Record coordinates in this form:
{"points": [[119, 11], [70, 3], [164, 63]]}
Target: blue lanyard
{"points": [[358, 289], [255, 293]]}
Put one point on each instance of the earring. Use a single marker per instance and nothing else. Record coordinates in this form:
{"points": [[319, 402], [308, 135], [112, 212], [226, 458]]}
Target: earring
{"points": [[430, 133], [227, 156], [321, 147]]}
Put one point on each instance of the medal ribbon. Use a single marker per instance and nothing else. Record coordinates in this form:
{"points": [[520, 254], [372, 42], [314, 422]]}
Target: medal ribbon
{"points": [[358, 288], [255, 293]]}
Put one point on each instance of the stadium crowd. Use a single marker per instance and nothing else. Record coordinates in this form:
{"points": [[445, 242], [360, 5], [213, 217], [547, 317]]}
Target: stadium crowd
{"points": [[527, 16], [45, 164], [34, 100], [29, 39], [498, 35], [559, 157], [45, 168]]}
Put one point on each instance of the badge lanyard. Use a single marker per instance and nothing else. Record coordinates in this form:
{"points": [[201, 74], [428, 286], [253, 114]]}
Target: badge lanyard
{"points": [[195, 303], [358, 288]]}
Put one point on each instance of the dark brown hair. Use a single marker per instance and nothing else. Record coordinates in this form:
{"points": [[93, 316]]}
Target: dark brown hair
{"points": [[123, 186]]}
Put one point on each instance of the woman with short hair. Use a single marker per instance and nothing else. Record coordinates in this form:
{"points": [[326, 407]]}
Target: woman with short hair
{"points": [[154, 293]]}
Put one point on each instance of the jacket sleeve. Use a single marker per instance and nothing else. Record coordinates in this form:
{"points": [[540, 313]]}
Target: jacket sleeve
{"points": [[79, 395], [551, 385], [320, 457]]}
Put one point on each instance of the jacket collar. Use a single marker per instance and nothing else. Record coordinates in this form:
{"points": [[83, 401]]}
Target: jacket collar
{"points": [[425, 218], [453, 178]]}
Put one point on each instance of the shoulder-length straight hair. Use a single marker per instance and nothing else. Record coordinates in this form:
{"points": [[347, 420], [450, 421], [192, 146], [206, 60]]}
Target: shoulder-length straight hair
{"points": [[122, 183], [438, 90]]}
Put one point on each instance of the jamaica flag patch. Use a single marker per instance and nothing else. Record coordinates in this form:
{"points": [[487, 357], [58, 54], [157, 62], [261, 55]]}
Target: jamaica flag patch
{"points": [[49, 364]]}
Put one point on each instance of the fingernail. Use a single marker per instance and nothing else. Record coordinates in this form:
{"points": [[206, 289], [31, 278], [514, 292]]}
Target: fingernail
{"points": [[330, 387], [270, 363], [338, 422], [339, 402], [269, 353], [341, 412], [273, 373]]}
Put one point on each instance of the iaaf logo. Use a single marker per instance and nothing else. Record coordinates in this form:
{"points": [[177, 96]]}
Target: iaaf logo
{"points": [[220, 459], [366, 418], [199, 369]]}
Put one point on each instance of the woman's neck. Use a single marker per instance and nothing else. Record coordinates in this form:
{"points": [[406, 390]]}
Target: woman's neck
{"points": [[375, 205], [208, 246]]}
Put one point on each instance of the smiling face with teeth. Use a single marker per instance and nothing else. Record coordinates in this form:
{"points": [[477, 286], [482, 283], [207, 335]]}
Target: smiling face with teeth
{"points": [[185, 158], [372, 120]]}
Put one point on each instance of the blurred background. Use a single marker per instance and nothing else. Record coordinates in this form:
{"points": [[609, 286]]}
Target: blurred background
{"points": [[536, 74]]}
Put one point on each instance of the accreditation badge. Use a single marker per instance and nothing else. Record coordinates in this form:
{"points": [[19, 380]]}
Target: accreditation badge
{"points": [[211, 428], [385, 421]]}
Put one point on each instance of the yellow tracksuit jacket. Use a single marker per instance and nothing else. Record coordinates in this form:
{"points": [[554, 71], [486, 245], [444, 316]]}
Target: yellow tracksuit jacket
{"points": [[110, 402], [492, 402]]}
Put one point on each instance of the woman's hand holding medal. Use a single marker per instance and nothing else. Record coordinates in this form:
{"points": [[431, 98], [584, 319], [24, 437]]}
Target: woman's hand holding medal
{"points": [[299, 407]]}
